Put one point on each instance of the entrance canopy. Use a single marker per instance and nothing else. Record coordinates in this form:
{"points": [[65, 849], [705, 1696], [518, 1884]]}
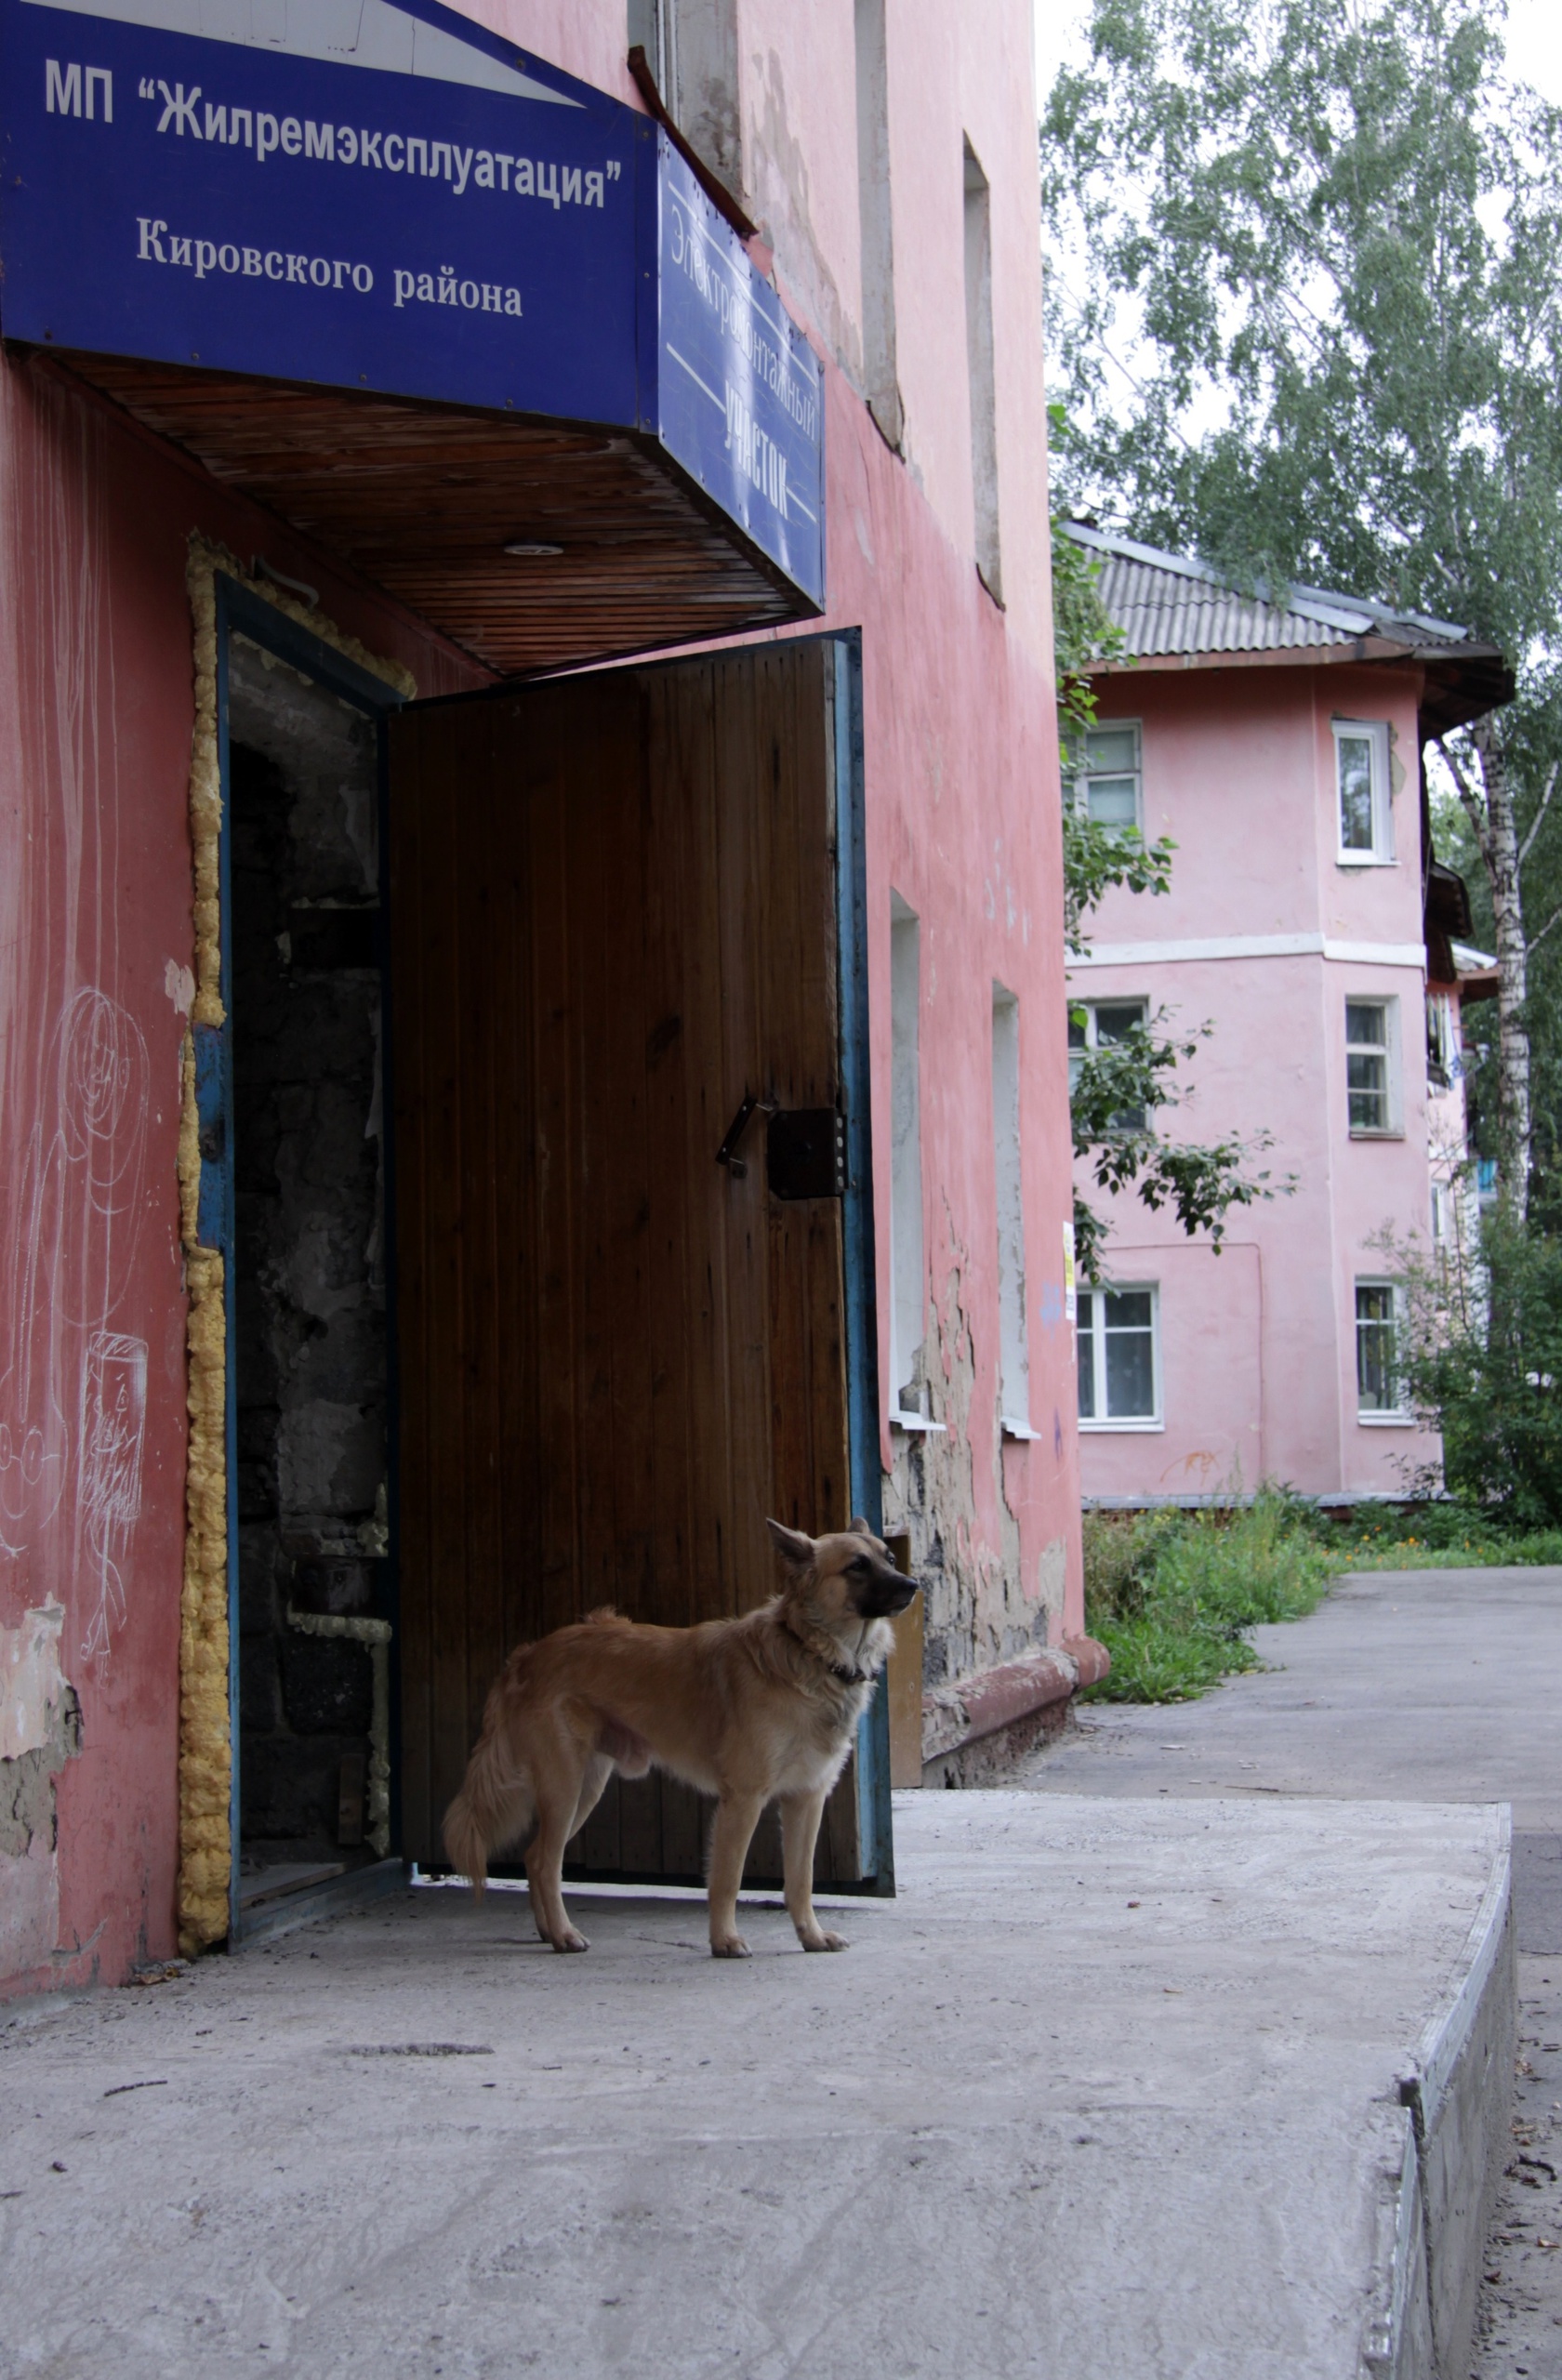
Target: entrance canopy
{"points": [[453, 313]]}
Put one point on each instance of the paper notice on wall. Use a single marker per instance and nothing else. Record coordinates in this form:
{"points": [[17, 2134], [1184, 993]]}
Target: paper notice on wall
{"points": [[1070, 1284]]}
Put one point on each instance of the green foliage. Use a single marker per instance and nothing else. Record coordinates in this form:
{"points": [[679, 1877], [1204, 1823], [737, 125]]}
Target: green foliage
{"points": [[1326, 245], [1097, 857], [1483, 1360], [1344, 223], [1170, 1593], [1532, 738]]}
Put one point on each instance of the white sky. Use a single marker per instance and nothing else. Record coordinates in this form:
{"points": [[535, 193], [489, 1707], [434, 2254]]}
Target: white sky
{"points": [[1534, 41]]}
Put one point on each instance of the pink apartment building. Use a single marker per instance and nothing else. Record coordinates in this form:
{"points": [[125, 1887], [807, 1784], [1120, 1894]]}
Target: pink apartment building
{"points": [[1278, 743]]}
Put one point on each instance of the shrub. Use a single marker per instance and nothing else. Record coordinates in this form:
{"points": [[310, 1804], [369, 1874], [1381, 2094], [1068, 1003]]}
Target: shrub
{"points": [[1484, 1362], [1170, 1593]]}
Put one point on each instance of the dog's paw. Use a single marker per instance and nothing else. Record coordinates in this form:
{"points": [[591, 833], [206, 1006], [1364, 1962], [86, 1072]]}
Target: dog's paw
{"points": [[570, 1940], [735, 1947], [823, 1942]]}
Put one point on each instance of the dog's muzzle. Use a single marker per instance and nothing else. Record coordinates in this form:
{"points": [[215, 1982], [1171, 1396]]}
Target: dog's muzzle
{"points": [[885, 1599]]}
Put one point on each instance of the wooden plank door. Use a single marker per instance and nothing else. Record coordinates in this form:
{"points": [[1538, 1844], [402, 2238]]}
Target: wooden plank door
{"points": [[615, 904]]}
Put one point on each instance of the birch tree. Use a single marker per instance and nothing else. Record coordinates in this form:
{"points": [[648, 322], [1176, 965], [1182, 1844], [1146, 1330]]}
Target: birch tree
{"points": [[1306, 309]]}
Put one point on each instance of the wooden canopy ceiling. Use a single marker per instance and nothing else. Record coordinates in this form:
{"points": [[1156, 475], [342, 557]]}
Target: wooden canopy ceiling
{"points": [[424, 498]]}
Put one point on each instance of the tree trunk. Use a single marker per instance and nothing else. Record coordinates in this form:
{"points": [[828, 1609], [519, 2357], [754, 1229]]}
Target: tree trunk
{"points": [[1500, 851]]}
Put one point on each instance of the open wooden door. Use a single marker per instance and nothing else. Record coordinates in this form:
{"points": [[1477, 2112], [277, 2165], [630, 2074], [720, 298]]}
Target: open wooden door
{"points": [[617, 905]]}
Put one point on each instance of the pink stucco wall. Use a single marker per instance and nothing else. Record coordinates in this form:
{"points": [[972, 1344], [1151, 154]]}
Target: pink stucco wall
{"points": [[94, 889], [1258, 1357]]}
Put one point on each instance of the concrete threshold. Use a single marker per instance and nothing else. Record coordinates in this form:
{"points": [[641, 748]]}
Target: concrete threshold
{"points": [[1202, 2090]]}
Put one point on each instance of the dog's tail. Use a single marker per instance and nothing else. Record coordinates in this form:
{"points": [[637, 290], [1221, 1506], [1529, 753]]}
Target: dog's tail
{"points": [[495, 1806]]}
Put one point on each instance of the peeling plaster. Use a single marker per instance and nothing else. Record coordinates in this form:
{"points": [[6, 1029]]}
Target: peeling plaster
{"points": [[40, 1730], [979, 1610], [30, 1680], [179, 983]]}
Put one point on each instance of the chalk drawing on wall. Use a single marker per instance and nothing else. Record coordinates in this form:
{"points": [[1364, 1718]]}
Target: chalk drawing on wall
{"points": [[109, 1497], [75, 1225]]}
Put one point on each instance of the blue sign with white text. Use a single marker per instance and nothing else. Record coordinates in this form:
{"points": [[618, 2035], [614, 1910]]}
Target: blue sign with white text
{"points": [[375, 201], [741, 394], [379, 194]]}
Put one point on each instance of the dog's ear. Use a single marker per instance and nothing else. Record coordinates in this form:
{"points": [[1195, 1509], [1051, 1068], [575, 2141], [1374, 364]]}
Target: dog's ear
{"points": [[795, 1550], [860, 1527]]}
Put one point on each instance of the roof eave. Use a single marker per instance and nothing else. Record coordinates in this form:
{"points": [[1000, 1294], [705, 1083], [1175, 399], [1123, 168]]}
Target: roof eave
{"points": [[1461, 683], [1362, 648]]}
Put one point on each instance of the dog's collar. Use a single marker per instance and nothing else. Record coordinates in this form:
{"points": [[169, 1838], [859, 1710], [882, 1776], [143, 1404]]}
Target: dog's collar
{"points": [[814, 1640]]}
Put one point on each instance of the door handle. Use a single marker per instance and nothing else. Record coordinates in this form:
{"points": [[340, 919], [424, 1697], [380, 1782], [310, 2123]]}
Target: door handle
{"points": [[727, 1154]]}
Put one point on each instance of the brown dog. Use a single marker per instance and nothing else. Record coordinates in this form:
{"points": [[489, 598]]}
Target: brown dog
{"points": [[754, 1710]]}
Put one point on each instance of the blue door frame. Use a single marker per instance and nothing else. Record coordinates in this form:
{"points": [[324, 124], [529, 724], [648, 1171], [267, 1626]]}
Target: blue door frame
{"points": [[875, 1833]]}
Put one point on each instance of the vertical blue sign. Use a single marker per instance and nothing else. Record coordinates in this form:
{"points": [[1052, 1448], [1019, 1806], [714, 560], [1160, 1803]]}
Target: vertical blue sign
{"points": [[741, 393]]}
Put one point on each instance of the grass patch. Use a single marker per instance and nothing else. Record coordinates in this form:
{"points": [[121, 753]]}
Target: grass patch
{"points": [[1171, 1594], [1439, 1537]]}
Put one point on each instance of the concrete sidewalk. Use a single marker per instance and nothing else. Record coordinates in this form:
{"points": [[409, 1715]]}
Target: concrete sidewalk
{"points": [[1112, 2088], [1429, 1685], [1423, 1686]]}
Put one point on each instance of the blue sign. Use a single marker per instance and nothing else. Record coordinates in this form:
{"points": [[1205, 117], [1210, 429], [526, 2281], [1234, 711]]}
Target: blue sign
{"points": [[741, 394], [379, 194]]}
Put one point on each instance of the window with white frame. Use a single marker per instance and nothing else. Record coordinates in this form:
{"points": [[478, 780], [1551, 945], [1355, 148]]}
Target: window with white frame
{"points": [[1372, 1068], [1361, 776], [1379, 1390], [1108, 777], [1117, 1336], [1095, 1024]]}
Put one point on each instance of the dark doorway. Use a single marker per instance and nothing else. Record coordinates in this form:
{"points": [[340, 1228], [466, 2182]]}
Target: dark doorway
{"points": [[309, 1374]]}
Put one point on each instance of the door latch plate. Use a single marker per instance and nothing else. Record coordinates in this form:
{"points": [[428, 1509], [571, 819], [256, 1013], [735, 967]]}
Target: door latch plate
{"points": [[805, 1153]]}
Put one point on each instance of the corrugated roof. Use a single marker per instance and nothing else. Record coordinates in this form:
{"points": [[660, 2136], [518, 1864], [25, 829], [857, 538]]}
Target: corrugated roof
{"points": [[1167, 604]]}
